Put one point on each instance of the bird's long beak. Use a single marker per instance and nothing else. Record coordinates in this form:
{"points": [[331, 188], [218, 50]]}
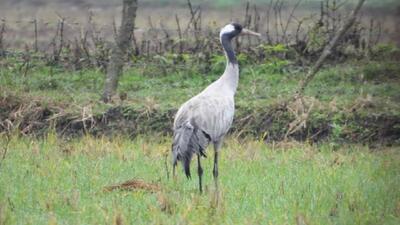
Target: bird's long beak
{"points": [[249, 32]]}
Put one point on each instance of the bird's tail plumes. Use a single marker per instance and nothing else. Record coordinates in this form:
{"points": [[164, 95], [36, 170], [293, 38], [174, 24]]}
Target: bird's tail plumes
{"points": [[188, 140]]}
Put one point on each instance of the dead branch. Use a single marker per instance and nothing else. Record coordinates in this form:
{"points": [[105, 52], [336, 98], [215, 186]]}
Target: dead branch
{"points": [[267, 18], [2, 32], [257, 19], [192, 16], [275, 8], [179, 34], [195, 20], [61, 36], [284, 31], [5, 147], [114, 29], [168, 39], [247, 15], [35, 35], [279, 10]]}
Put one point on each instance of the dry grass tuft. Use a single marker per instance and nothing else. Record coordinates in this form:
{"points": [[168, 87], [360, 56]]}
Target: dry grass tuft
{"points": [[134, 184]]}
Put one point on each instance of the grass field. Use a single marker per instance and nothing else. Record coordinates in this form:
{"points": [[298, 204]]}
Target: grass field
{"points": [[62, 148], [54, 181]]}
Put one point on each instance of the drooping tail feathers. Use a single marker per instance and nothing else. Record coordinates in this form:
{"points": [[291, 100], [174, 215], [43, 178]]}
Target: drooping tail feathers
{"points": [[188, 139]]}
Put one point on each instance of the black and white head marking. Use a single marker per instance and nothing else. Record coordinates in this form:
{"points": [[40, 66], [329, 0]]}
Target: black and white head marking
{"points": [[231, 30], [227, 33]]}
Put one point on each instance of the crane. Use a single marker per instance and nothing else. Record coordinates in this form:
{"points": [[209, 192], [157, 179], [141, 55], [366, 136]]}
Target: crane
{"points": [[208, 116]]}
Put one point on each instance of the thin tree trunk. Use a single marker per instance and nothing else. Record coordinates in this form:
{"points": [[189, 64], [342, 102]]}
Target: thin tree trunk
{"points": [[118, 52]]}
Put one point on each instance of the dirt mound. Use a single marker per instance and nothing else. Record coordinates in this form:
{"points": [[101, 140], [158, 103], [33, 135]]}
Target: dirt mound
{"points": [[134, 184]]}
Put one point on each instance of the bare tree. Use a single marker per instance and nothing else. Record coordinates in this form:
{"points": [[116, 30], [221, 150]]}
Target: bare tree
{"points": [[118, 52], [329, 47]]}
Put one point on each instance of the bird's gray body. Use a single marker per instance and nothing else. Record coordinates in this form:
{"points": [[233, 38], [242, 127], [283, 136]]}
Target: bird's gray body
{"points": [[212, 110], [207, 117]]}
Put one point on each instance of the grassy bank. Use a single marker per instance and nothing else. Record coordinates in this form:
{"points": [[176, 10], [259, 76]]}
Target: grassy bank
{"points": [[58, 182], [355, 101]]}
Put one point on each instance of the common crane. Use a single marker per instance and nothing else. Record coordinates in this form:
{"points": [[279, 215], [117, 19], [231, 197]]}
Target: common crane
{"points": [[208, 116]]}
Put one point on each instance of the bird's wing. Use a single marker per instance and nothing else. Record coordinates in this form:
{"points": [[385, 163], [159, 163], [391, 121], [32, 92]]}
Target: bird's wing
{"points": [[211, 114], [188, 140]]}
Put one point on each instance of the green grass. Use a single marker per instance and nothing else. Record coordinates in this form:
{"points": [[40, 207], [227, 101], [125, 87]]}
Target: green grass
{"points": [[260, 85], [58, 181]]}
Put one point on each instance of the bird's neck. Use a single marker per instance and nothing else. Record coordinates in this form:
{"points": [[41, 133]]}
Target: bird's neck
{"points": [[227, 45], [230, 77]]}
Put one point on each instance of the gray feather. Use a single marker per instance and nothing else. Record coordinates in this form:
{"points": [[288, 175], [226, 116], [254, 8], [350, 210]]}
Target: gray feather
{"points": [[188, 140]]}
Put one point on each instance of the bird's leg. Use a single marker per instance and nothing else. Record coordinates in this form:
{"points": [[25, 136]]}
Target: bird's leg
{"points": [[200, 172], [215, 170], [217, 146], [173, 172]]}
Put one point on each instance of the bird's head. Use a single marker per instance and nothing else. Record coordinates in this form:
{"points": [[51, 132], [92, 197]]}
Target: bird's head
{"points": [[234, 29]]}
